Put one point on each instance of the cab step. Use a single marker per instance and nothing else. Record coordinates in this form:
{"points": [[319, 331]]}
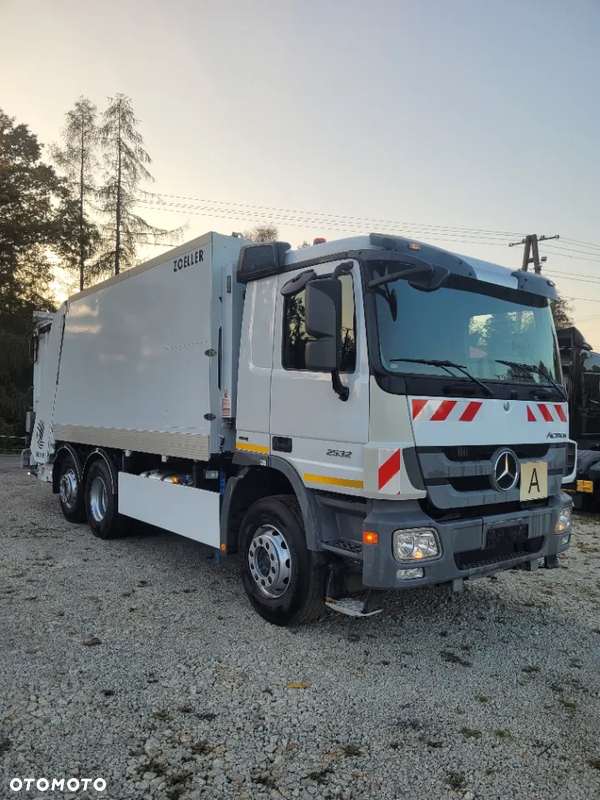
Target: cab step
{"points": [[345, 548]]}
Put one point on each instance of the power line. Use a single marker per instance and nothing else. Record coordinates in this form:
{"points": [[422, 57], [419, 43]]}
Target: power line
{"points": [[584, 299], [314, 216], [344, 217], [576, 274], [577, 258], [569, 276], [304, 222], [342, 222], [580, 277], [586, 319], [557, 247], [583, 244]]}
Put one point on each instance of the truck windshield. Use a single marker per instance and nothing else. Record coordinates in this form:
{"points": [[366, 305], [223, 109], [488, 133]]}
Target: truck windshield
{"points": [[471, 323]]}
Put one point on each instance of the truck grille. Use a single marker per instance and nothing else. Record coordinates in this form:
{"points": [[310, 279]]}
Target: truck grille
{"points": [[459, 476], [486, 451]]}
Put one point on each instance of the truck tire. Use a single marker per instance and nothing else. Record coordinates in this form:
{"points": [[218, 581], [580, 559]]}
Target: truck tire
{"points": [[282, 578], [101, 503], [70, 491]]}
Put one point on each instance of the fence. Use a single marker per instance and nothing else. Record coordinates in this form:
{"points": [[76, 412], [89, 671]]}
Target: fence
{"points": [[12, 444]]}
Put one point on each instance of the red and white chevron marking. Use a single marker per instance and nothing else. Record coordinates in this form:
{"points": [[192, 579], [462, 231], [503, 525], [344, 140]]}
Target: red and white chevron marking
{"points": [[388, 472], [441, 410], [546, 412]]}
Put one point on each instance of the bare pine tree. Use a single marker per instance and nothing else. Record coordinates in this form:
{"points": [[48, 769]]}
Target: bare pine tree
{"points": [[125, 163], [77, 158]]}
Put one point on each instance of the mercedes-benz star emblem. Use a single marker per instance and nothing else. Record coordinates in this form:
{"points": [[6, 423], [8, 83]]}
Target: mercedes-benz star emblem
{"points": [[505, 473]]}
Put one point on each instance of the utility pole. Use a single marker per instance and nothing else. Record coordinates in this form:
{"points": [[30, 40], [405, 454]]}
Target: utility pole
{"points": [[531, 253]]}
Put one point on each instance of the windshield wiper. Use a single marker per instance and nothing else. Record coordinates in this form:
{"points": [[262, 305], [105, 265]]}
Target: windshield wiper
{"points": [[537, 371], [444, 365]]}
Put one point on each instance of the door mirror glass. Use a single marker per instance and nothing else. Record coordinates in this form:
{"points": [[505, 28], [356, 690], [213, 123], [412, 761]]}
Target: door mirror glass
{"points": [[324, 323]]}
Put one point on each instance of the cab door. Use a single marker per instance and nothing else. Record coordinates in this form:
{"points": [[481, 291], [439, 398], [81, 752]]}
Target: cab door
{"points": [[322, 436]]}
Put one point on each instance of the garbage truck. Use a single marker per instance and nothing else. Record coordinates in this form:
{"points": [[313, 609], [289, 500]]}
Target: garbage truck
{"points": [[356, 416], [581, 372]]}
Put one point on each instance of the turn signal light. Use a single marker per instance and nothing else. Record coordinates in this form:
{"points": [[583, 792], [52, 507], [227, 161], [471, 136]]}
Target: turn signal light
{"points": [[370, 537]]}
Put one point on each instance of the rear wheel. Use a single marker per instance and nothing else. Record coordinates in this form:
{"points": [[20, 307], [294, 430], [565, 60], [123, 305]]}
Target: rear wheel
{"points": [[70, 491], [281, 576], [101, 502]]}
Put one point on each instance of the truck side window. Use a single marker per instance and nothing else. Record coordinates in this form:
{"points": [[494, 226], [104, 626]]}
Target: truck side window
{"points": [[294, 330]]}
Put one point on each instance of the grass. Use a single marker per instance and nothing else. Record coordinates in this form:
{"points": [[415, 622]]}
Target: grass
{"points": [[570, 704], [320, 775], [156, 766], [470, 733], [483, 698], [531, 669], [501, 733], [452, 658], [350, 750], [178, 783], [201, 747], [586, 548], [456, 780], [267, 780], [207, 715]]}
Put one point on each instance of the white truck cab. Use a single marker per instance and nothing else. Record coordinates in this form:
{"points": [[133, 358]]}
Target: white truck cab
{"points": [[368, 414]]}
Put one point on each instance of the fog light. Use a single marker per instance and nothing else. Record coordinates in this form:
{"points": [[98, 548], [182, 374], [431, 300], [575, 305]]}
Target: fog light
{"points": [[564, 539], [412, 572], [416, 544], [563, 523]]}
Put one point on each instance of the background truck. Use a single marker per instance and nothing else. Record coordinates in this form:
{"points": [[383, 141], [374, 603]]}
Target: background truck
{"points": [[360, 415], [581, 370]]}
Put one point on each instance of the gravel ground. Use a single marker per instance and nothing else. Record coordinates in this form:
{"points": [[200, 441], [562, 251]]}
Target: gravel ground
{"points": [[140, 662]]}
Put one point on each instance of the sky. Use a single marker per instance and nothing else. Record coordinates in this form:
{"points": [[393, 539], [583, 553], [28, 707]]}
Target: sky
{"points": [[465, 124]]}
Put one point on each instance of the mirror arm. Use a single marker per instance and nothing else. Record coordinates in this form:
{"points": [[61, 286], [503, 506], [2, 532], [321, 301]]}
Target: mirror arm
{"points": [[343, 392], [345, 268]]}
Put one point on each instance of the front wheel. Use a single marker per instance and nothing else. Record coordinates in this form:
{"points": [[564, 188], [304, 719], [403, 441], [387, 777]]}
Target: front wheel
{"points": [[281, 577]]}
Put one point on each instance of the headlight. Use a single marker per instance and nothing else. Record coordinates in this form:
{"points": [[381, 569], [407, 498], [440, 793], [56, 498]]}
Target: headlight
{"points": [[563, 523], [416, 544]]}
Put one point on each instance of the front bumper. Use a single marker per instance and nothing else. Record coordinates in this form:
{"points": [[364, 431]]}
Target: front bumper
{"points": [[464, 554]]}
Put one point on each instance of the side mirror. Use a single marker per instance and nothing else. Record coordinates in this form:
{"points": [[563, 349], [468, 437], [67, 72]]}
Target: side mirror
{"points": [[324, 323]]}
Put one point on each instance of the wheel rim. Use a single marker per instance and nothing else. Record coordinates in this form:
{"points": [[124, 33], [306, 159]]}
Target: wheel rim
{"points": [[269, 560], [98, 499], [68, 488]]}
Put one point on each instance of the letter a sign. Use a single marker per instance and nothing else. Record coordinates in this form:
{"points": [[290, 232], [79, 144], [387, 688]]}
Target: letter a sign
{"points": [[534, 480]]}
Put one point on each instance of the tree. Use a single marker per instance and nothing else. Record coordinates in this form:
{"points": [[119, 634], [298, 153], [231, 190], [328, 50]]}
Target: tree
{"points": [[262, 233], [562, 313], [37, 226], [125, 163], [303, 245], [77, 158]]}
